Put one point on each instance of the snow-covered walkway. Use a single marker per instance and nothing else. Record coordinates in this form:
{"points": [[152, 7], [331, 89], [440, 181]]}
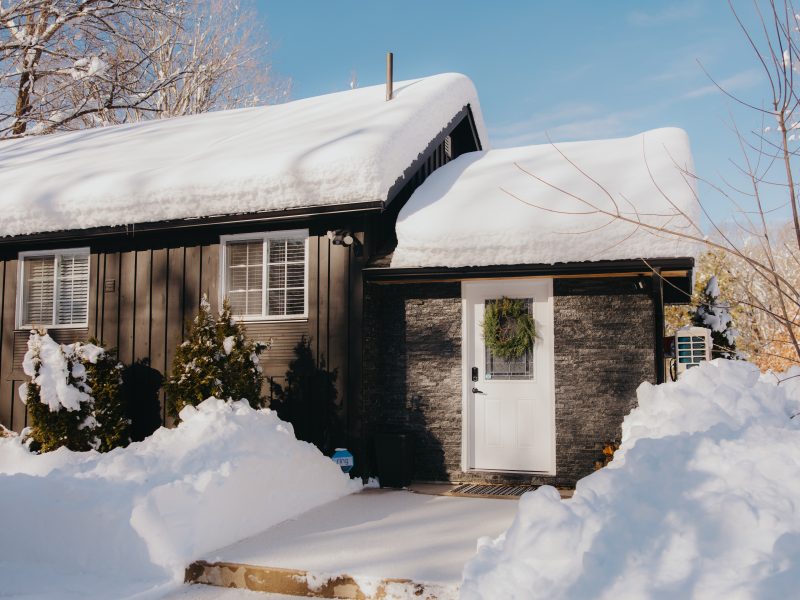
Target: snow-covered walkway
{"points": [[377, 535]]}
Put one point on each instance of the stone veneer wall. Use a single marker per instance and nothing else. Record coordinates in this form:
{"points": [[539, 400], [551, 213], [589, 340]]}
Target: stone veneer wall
{"points": [[412, 370], [604, 347]]}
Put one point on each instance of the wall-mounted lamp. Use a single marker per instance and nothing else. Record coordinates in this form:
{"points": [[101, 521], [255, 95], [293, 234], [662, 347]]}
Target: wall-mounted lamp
{"points": [[343, 237]]}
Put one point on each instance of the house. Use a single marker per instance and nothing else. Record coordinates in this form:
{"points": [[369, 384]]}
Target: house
{"points": [[350, 221]]}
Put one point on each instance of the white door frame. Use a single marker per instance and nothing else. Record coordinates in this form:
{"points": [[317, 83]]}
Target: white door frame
{"points": [[519, 287]]}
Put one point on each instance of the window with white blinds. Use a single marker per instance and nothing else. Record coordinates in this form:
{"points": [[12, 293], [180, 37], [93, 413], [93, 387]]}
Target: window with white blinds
{"points": [[265, 274], [54, 289]]}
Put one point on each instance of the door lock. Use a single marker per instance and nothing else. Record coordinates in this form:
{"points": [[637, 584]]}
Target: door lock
{"points": [[477, 391]]}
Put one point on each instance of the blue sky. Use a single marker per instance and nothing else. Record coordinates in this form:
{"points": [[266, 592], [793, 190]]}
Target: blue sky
{"points": [[573, 70]]}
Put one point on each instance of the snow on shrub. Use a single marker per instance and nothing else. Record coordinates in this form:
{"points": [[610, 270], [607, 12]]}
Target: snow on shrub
{"points": [[699, 502], [216, 360], [139, 515], [73, 396]]}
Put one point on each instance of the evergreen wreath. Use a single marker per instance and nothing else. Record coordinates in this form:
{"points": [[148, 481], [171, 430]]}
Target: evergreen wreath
{"points": [[508, 329]]}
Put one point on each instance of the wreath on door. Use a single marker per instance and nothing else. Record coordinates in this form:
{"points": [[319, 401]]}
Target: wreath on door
{"points": [[508, 328]]}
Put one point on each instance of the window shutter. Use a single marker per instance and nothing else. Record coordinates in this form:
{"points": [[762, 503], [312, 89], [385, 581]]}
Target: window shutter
{"points": [[72, 306], [38, 296]]}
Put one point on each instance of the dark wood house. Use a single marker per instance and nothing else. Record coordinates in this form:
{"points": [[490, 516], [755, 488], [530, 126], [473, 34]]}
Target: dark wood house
{"points": [[290, 213]]}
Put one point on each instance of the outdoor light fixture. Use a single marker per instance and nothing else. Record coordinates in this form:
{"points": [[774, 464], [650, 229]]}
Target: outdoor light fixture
{"points": [[343, 237]]}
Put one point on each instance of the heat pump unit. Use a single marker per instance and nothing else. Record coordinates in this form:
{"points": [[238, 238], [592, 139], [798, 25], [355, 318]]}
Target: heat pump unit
{"points": [[692, 347]]}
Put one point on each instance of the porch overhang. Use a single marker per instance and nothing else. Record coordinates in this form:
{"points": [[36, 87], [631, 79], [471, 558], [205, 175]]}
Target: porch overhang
{"points": [[676, 273]]}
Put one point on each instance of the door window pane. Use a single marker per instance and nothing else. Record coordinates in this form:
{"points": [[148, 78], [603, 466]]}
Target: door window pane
{"points": [[497, 368]]}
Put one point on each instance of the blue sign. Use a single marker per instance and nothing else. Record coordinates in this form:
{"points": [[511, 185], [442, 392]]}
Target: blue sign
{"points": [[344, 459]]}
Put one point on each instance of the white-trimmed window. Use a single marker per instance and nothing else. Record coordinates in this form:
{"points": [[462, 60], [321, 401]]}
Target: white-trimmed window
{"points": [[265, 275], [53, 288]]}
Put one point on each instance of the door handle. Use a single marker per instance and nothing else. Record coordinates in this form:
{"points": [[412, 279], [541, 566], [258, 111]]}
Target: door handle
{"points": [[477, 391]]}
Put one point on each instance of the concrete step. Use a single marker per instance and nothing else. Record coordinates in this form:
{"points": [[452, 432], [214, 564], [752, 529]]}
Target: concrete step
{"points": [[296, 582]]}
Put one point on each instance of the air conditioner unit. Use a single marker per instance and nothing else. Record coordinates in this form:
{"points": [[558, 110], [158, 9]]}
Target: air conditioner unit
{"points": [[692, 347]]}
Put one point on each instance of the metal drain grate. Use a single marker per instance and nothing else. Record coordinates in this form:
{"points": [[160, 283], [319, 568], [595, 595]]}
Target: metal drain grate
{"points": [[490, 489]]}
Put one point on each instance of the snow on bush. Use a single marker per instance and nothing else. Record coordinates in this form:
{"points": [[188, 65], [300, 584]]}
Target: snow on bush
{"points": [[701, 501], [104, 525], [73, 396], [217, 359]]}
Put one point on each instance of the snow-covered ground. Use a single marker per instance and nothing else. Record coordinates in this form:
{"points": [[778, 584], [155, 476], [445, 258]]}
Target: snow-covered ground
{"points": [[376, 535], [127, 523], [701, 501]]}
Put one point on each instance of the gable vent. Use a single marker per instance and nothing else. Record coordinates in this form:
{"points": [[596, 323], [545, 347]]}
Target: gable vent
{"points": [[448, 147]]}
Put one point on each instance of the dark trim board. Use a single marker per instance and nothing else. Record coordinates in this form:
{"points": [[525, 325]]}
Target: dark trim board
{"points": [[119, 233], [674, 273], [378, 274]]}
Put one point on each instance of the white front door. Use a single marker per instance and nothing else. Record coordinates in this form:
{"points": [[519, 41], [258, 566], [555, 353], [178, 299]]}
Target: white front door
{"points": [[509, 416]]}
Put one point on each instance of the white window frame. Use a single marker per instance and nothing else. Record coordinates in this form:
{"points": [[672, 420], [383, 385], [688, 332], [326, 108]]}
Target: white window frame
{"points": [[264, 236], [21, 286]]}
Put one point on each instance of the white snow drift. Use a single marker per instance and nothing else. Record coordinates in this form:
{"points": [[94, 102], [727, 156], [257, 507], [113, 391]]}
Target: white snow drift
{"points": [[94, 525], [701, 501], [542, 204], [347, 147]]}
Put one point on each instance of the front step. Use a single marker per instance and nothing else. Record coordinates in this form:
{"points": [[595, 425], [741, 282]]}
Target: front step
{"points": [[294, 582]]}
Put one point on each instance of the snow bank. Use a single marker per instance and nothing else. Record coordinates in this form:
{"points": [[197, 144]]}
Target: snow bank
{"points": [[465, 215], [339, 148], [701, 501], [109, 525]]}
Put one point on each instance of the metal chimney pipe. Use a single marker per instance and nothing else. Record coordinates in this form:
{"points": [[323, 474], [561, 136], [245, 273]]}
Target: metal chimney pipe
{"points": [[389, 75]]}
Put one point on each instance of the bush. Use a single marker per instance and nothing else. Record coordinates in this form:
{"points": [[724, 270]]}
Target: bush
{"points": [[216, 360], [72, 396]]}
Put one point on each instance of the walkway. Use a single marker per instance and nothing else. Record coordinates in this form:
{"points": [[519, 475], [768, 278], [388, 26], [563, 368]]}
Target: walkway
{"points": [[374, 544]]}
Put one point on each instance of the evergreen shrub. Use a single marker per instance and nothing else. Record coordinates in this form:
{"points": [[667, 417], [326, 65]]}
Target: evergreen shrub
{"points": [[72, 396], [216, 360]]}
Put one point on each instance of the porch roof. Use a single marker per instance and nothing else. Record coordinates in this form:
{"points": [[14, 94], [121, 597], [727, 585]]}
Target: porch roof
{"points": [[577, 202]]}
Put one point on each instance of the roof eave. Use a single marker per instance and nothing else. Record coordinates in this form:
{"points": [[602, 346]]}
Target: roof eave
{"points": [[679, 265], [176, 225]]}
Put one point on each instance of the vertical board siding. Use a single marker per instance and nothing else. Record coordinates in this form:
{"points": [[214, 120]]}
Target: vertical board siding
{"points": [[338, 304], [323, 301], [209, 280], [10, 401], [142, 317], [142, 301], [109, 332], [5, 405], [158, 316], [175, 317], [94, 305], [19, 411], [127, 306], [191, 282]]}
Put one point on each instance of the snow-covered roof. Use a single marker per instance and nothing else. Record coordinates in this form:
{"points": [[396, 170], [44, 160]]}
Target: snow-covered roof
{"points": [[342, 148], [485, 209]]}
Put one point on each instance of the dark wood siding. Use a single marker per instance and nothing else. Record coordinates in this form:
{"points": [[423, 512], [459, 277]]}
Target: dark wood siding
{"points": [[143, 298]]}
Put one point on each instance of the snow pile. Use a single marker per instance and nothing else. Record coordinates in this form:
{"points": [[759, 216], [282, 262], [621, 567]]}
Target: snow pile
{"points": [[109, 525], [699, 502], [542, 204], [347, 147]]}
